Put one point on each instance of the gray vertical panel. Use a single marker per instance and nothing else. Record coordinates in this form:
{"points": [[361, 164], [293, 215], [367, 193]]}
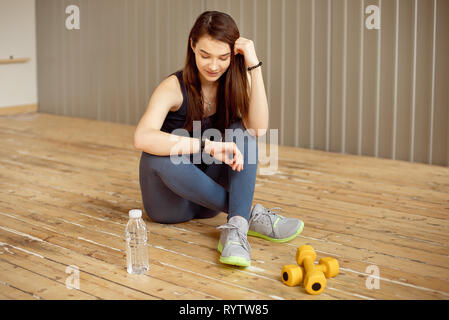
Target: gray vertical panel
{"points": [[304, 69], [328, 72], [344, 78], [131, 58], [413, 93], [312, 74], [378, 75], [68, 39], [61, 56], [178, 33], [52, 78], [58, 81], [297, 74], [432, 101], [351, 128], [441, 132], [150, 41], [268, 64], [369, 87], [115, 62], [242, 17], [275, 67], [248, 21], [128, 63], [387, 79], [337, 37], [405, 66], [361, 69], [320, 85], [98, 61], [261, 44], [254, 10], [234, 12], [261, 37], [147, 61], [145, 35], [282, 71], [77, 48], [89, 28], [100, 64], [187, 23], [140, 61], [64, 40], [395, 80], [219, 5], [168, 18], [158, 35], [44, 48], [423, 80], [77, 72], [163, 38], [197, 9], [123, 62], [82, 80], [289, 72]]}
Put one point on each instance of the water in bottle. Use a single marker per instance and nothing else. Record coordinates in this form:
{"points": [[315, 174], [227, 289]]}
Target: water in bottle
{"points": [[136, 243]]}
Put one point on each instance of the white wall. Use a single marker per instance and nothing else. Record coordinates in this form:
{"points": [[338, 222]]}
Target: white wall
{"points": [[18, 81]]}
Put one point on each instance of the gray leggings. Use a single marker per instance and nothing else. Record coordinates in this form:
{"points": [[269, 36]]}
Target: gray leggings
{"points": [[175, 193]]}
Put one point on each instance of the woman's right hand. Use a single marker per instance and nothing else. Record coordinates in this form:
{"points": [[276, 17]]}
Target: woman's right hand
{"points": [[223, 150]]}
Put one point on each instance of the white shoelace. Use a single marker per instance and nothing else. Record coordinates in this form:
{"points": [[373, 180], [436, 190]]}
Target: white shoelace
{"points": [[272, 212], [242, 237]]}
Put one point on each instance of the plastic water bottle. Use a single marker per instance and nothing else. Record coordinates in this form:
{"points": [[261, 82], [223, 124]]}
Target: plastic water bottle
{"points": [[136, 243]]}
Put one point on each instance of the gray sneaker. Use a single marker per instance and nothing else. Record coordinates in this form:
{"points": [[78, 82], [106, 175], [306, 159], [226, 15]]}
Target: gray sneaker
{"points": [[233, 245], [266, 224]]}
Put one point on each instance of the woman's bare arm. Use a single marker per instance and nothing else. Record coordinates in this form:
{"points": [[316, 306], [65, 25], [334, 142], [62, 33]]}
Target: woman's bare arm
{"points": [[148, 137]]}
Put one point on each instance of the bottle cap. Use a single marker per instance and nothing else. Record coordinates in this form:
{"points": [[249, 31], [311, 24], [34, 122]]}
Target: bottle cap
{"points": [[135, 213]]}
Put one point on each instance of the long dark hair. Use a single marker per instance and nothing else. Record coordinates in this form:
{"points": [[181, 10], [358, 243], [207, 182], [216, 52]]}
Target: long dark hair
{"points": [[232, 95]]}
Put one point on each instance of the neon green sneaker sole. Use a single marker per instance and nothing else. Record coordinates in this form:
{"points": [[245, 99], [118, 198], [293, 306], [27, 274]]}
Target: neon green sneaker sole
{"points": [[235, 261], [259, 235]]}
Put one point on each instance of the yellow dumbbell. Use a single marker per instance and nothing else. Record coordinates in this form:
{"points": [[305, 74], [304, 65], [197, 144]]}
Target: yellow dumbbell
{"points": [[314, 279], [329, 266], [292, 275]]}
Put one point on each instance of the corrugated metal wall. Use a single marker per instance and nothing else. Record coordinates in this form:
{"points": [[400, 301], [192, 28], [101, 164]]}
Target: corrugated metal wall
{"points": [[332, 83]]}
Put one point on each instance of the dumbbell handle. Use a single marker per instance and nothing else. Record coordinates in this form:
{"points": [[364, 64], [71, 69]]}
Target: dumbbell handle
{"points": [[314, 279], [308, 264], [321, 267]]}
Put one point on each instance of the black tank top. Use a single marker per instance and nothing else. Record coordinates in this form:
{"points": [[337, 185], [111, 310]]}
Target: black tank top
{"points": [[176, 119]]}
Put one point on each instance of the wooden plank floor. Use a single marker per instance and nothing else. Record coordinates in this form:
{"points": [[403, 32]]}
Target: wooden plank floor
{"points": [[66, 185]]}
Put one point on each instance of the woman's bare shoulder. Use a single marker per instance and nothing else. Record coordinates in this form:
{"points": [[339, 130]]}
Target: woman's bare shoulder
{"points": [[171, 86]]}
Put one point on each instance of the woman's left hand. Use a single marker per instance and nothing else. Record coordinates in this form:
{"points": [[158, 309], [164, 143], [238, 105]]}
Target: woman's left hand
{"points": [[246, 48]]}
